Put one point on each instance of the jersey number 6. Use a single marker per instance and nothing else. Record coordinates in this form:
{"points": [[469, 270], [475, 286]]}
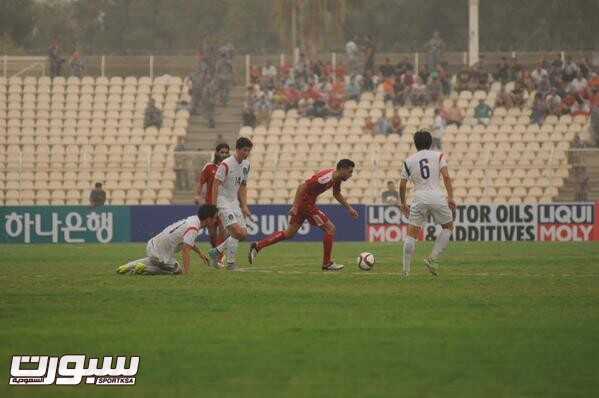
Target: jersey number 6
{"points": [[425, 172]]}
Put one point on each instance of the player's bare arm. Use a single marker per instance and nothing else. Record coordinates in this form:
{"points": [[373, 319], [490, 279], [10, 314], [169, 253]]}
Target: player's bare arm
{"points": [[199, 198], [215, 187], [403, 186], [242, 194], [448, 187], [299, 193], [341, 199]]}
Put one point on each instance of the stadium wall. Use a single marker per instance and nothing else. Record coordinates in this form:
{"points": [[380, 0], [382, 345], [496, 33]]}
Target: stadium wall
{"points": [[377, 223]]}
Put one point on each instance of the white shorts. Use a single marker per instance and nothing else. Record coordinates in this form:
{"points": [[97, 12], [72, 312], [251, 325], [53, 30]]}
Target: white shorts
{"points": [[162, 256], [231, 215], [420, 212]]}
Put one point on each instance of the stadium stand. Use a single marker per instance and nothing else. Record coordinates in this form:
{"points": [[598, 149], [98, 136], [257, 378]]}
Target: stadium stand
{"points": [[508, 161], [59, 136]]}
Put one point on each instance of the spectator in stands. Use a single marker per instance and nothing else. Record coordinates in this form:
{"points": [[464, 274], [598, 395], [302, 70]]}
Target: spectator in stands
{"points": [[353, 89], [438, 132], [424, 73], [594, 125], [504, 99], [538, 74], [582, 184], [400, 91], [539, 110], [435, 88], [391, 195], [152, 115], [262, 109], [369, 53], [383, 126], [544, 86], [483, 112], [351, 50], [418, 92], [435, 47], [580, 107], [387, 70], [454, 115], [55, 59], [553, 102], [445, 78], [578, 85], [503, 71], [269, 71], [369, 125], [570, 69], [585, 68], [515, 70], [463, 80], [318, 109], [397, 123], [76, 65], [248, 115], [97, 196], [389, 89]]}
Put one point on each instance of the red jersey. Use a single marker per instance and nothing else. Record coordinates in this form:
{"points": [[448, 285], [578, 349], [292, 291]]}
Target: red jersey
{"points": [[207, 177], [317, 184]]}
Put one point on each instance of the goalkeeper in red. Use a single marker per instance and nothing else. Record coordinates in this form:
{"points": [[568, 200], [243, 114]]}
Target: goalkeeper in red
{"points": [[304, 208]]}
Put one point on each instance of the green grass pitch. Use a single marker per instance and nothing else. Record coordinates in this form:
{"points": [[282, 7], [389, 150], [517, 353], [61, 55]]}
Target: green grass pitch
{"points": [[501, 320]]}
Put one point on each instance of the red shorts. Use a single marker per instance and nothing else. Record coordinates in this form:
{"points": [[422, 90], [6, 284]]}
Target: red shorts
{"points": [[313, 214]]}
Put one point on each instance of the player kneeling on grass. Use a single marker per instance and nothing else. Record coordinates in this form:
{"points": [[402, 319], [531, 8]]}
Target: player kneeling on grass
{"points": [[424, 169], [162, 249], [304, 208]]}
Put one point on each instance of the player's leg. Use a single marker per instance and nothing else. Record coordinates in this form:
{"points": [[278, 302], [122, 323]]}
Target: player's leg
{"points": [[318, 218], [441, 214], [294, 225], [233, 221], [130, 267], [418, 215], [409, 248]]}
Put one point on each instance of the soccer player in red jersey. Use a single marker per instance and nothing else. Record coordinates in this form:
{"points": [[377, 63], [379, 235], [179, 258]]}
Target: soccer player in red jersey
{"points": [[205, 182], [304, 208]]}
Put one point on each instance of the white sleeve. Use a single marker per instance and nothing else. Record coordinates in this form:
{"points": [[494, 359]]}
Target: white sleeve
{"points": [[221, 172], [190, 235]]}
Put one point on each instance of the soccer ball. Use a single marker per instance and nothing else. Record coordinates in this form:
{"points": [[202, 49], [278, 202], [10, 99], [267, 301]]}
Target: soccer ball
{"points": [[366, 261]]}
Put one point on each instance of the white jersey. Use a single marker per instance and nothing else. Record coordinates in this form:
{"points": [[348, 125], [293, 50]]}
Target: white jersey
{"points": [[170, 241], [424, 170], [231, 174]]}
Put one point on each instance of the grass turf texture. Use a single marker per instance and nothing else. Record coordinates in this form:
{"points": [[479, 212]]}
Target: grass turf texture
{"points": [[502, 319]]}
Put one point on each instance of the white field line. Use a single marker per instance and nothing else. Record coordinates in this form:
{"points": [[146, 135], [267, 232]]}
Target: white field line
{"points": [[274, 270]]}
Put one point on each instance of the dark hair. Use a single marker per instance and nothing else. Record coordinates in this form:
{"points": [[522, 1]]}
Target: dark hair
{"points": [[423, 140], [243, 142], [207, 211], [98, 185], [221, 146], [345, 164]]}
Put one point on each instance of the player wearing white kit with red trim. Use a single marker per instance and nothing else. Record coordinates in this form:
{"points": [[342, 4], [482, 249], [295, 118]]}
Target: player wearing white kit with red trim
{"points": [[230, 191], [425, 169], [162, 249]]}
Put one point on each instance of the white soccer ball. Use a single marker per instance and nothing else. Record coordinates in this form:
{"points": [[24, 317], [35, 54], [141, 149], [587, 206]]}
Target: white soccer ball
{"points": [[366, 261]]}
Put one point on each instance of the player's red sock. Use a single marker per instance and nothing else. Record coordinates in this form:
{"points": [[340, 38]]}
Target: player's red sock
{"points": [[271, 240], [327, 244]]}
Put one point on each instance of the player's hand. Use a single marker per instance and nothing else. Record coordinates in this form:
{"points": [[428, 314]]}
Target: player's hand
{"points": [[204, 259], [451, 204], [246, 212], [353, 213], [405, 209]]}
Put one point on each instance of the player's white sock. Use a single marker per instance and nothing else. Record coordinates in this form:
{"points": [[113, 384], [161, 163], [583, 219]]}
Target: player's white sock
{"points": [[409, 247], [224, 244], [232, 250], [441, 243]]}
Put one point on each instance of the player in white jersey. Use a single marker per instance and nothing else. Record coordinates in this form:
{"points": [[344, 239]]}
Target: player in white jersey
{"points": [[425, 169], [230, 191], [162, 249]]}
